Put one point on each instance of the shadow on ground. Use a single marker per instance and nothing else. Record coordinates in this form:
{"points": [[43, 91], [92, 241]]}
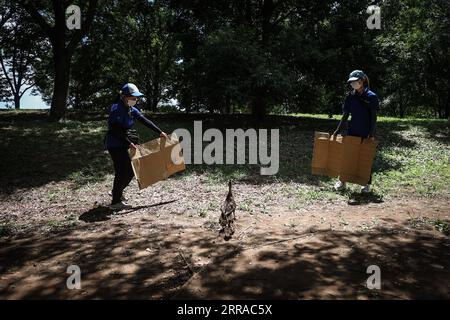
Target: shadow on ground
{"points": [[103, 213], [156, 260], [357, 198]]}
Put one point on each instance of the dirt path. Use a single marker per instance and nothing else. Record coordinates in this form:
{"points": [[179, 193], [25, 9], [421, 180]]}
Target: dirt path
{"points": [[296, 237], [318, 251]]}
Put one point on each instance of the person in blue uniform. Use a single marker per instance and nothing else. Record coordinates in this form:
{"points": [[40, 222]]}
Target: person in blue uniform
{"points": [[363, 105], [120, 138]]}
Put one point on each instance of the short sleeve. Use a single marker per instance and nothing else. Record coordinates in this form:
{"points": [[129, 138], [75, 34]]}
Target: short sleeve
{"points": [[136, 114]]}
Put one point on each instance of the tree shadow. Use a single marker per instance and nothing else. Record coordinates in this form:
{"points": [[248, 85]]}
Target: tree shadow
{"points": [[36, 152], [435, 129], [97, 214], [160, 260], [358, 198], [332, 265], [103, 213]]}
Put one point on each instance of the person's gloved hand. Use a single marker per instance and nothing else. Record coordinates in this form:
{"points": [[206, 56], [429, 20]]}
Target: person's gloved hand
{"points": [[132, 150]]}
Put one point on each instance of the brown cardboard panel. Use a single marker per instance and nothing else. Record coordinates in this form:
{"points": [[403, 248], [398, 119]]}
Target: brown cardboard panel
{"points": [[348, 157], [149, 169], [175, 164], [335, 152], [320, 153], [152, 161], [367, 153]]}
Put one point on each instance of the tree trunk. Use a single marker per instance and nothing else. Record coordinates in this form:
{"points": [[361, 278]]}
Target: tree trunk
{"points": [[267, 12], [155, 96], [259, 107], [156, 78], [154, 105], [61, 84], [16, 101], [259, 103], [440, 106], [401, 105], [447, 106], [227, 104], [62, 55]]}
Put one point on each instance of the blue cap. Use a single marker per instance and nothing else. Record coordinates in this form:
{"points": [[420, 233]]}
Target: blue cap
{"points": [[355, 75], [130, 89]]}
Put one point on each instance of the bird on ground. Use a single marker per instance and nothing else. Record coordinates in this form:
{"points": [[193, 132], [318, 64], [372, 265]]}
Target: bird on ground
{"points": [[228, 215]]}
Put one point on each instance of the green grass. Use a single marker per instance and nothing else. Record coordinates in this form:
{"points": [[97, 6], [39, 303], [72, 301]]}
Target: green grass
{"points": [[412, 161], [313, 115], [423, 168], [246, 206], [413, 158], [36, 152], [310, 195], [202, 212], [7, 229], [52, 226], [440, 225], [379, 118], [224, 174]]}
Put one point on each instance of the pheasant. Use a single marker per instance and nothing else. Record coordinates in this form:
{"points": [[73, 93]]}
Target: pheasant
{"points": [[227, 216]]}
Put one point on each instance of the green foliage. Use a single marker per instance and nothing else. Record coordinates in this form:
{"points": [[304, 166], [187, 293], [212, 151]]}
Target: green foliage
{"points": [[260, 57], [415, 56]]}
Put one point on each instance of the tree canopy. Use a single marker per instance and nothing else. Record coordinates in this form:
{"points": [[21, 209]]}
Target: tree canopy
{"points": [[237, 56]]}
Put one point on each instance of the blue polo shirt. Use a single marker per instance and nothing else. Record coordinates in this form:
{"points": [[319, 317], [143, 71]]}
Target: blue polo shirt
{"points": [[122, 115], [360, 121]]}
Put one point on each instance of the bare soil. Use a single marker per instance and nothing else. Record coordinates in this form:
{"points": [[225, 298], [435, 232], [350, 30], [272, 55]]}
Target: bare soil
{"points": [[164, 249]]}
